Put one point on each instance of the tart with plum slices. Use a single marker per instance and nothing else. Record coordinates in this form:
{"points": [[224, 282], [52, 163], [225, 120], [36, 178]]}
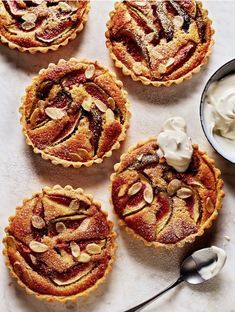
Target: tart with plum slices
{"points": [[161, 206], [75, 113], [159, 42], [41, 25], [60, 244]]}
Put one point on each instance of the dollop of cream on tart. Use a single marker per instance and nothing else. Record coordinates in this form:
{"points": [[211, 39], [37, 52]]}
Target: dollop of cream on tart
{"points": [[60, 244]]}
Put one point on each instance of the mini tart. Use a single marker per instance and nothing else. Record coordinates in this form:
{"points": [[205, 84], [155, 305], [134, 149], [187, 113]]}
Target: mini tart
{"points": [[60, 244], [39, 25], [75, 113], [160, 206], [159, 42]]}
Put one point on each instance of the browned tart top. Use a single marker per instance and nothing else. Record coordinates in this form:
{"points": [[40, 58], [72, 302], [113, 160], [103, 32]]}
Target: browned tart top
{"points": [[161, 205], [75, 113], [40, 23], [59, 243], [159, 41]]}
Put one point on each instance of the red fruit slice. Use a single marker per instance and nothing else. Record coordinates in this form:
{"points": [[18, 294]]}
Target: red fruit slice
{"points": [[14, 8]]}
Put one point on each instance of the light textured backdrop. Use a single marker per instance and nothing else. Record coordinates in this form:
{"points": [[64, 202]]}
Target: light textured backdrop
{"points": [[139, 272]]}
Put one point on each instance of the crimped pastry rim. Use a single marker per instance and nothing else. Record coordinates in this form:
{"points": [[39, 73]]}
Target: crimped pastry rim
{"points": [[127, 72], [55, 47], [61, 299], [78, 164], [190, 238]]}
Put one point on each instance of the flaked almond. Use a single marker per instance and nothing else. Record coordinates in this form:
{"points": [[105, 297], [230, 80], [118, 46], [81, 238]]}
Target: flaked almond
{"points": [[109, 116], [178, 21], [209, 205], [197, 184], [162, 68], [93, 249], [28, 25], [100, 105], [84, 257], [38, 247], [29, 17], [173, 186], [135, 188], [74, 204], [33, 259], [60, 227], [38, 222], [90, 71], [83, 227], [122, 190], [148, 195], [86, 104], [184, 193], [55, 113], [64, 7], [169, 62], [75, 249], [141, 3], [111, 103], [139, 158]]}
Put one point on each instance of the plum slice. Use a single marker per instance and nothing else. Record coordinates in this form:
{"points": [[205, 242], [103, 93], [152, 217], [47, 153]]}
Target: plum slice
{"points": [[167, 25], [14, 8], [44, 89], [73, 78], [96, 127], [48, 34]]}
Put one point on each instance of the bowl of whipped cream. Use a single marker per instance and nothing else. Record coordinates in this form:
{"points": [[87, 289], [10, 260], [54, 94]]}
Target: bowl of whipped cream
{"points": [[217, 111]]}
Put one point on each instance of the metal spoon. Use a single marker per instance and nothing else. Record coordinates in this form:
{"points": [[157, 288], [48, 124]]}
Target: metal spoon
{"points": [[201, 266]]}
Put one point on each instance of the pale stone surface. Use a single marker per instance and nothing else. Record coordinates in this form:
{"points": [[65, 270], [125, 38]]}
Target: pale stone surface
{"points": [[139, 272]]}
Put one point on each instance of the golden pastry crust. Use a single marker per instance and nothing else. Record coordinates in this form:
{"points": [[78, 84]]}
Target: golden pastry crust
{"points": [[40, 26], [75, 113], [161, 206], [60, 245], [159, 42]]}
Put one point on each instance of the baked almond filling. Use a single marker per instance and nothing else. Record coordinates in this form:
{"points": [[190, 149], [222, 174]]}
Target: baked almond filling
{"points": [[75, 113], [162, 206], [59, 243], [159, 41]]}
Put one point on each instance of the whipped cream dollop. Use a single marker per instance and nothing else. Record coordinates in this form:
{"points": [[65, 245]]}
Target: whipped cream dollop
{"points": [[213, 268], [175, 145], [221, 97]]}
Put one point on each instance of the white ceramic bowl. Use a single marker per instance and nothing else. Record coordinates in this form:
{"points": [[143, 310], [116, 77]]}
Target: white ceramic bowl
{"points": [[223, 71]]}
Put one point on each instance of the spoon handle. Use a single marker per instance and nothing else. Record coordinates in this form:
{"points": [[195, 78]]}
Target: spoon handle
{"points": [[143, 304]]}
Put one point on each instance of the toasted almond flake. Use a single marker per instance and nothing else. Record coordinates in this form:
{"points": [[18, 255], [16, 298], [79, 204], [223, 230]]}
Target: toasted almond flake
{"points": [[162, 68], [38, 222], [33, 259], [178, 21], [139, 158], [86, 104], [209, 205], [74, 204], [64, 6], [90, 71], [28, 25], [196, 183], [100, 105], [148, 195], [75, 249], [109, 116], [37, 1], [170, 61], [184, 193], [84, 257], [29, 17], [141, 3], [174, 186], [122, 190], [111, 103], [54, 113], [93, 249], [38, 247], [84, 225], [135, 188], [60, 227]]}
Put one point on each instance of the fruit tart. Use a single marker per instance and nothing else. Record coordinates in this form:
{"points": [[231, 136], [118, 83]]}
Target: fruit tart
{"points": [[165, 190], [75, 113], [41, 25], [159, 42], [60, 244]]}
